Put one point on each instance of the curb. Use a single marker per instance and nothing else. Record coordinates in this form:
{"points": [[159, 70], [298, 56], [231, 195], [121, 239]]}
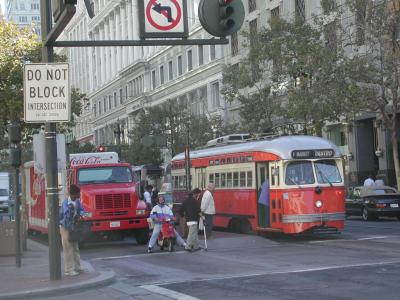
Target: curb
{"points": [[105, 278]]}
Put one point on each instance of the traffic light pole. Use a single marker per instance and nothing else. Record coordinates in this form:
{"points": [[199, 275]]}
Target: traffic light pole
{"points": [[51, 162]]}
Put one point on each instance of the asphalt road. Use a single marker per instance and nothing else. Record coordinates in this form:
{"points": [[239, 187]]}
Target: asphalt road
{"points": [[360, 263]]}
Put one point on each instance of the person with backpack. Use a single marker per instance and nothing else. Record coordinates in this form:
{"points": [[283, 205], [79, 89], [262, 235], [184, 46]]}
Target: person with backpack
{"points": [[70, 212]]}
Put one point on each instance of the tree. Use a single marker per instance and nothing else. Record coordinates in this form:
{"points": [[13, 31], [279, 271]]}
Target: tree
{"points": [[18, 46], [376, 68], [294, 72], [166, 127]]}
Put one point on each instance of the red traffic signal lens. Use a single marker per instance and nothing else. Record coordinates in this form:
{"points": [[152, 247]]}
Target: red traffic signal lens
{"points": [[225, 2], [101, 149]]}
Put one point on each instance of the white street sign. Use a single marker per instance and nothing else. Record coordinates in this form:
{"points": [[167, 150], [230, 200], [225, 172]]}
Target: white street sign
{"points": [[164, 16], [47, 96]]}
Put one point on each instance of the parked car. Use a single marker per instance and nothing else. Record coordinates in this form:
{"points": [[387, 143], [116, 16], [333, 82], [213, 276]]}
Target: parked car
{"points": [[372, 202], [4, 200]]}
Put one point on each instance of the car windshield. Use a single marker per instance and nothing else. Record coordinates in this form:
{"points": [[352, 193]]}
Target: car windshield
{"points": [[327, 171], [3, 192], [104, 175], [299, 172]]}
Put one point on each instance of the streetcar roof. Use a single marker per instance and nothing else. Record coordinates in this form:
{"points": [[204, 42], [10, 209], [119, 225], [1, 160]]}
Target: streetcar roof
{"points": [[281, 146]]}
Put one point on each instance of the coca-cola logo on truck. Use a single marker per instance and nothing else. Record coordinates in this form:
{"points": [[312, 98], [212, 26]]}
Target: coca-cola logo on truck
{"points": [[92, 159]]}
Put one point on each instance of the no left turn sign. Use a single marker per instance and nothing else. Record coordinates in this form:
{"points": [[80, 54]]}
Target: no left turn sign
{"points": [[163, 18]]}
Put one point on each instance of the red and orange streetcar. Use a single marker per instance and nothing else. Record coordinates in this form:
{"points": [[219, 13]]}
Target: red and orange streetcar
{"points": [[290, 184]]}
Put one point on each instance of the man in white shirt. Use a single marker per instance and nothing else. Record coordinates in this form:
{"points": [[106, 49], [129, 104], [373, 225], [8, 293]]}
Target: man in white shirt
{"points": [[147, 195], [208, 208], [369, 181]]}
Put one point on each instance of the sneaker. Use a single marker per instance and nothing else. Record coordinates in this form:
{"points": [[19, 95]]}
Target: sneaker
{"points": [[71, 273], [150, 250]]}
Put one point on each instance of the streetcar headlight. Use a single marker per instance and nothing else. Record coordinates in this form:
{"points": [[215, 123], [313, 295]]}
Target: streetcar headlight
{"points": [[318, 203], [140, 211]]}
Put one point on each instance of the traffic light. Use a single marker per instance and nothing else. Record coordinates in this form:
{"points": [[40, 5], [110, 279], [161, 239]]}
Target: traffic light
{"points": [[101, 148], [221, 17]]}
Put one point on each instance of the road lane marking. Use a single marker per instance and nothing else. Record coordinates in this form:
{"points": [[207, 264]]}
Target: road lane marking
{"points": [[137, 255], [166, 292], [343, 240], [372, 238]]}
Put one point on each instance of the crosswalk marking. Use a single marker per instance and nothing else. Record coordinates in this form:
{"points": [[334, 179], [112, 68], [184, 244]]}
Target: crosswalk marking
{"points": [[166, 292]]}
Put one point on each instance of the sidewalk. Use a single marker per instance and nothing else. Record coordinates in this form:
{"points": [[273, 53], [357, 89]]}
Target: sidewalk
{"points": [[32, 279]]}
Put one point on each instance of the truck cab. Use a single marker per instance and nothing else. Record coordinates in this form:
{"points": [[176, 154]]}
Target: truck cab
{"points": [[109, 195]]}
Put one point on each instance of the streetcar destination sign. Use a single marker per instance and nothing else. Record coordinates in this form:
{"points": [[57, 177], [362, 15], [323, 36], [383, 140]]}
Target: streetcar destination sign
{"points": [[319, 153], [47, 96]]}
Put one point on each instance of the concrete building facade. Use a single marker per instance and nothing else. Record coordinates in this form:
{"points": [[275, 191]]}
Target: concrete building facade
{"points": [[24, 13]]}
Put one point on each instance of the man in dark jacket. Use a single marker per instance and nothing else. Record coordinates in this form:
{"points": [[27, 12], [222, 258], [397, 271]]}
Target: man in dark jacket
{"points": [[190, 209]]}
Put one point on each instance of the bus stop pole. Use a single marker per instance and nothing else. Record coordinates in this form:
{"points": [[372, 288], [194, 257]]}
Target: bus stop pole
{"points": [[51, 162]]}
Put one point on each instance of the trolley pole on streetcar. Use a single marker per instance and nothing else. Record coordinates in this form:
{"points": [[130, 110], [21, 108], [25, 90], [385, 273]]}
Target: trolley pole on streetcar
{"points": [[187, 160], [51, 163]]}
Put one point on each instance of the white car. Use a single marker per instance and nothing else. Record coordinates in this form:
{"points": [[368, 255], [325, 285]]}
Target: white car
{"points": [[4, 198]]}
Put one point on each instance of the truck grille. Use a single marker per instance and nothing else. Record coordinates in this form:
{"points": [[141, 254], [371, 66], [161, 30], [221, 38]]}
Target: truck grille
{"points": [[111, 201]]}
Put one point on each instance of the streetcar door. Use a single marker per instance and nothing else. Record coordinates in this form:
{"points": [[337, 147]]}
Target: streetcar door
{"points": [[200, 174], [263, 206]]}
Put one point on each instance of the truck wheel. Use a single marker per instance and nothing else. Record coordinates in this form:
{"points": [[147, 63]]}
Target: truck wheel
{"points": [[142, 236]]}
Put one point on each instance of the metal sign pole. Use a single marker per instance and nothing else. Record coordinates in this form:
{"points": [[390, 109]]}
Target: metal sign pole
{"points": [[51, 163]]}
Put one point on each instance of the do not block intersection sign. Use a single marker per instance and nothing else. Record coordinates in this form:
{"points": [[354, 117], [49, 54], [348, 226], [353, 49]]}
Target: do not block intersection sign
{"points": [[47, 96]]}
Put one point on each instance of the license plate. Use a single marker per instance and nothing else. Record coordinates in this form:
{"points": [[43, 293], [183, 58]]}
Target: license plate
{"points": [[115, 224], [394, 205]]}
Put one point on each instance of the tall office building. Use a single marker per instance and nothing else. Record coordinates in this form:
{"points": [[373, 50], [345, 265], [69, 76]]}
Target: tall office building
{"points": [[24, 13]]}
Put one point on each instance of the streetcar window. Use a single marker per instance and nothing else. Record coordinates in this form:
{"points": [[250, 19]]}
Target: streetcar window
{"points": [[222, 161], [223, 180], [229, 160], [235, 179], [274, 175], [299, 172], [229, 180], [249, 158], [242, 178], [249, 178], [211, 162], [217, 162], [217, 177], [235, 160], [211, 178], [327, 171]]}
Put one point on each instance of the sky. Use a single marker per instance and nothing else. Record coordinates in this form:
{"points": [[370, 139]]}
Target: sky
{"points": [[2, 5]]}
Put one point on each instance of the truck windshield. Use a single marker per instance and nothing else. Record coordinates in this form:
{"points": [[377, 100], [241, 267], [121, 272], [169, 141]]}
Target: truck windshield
{"points": [[104, 175]]}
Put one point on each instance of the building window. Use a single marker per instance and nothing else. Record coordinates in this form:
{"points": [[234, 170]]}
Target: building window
{"points": [[215, 94], [189, 60], [153, 79], [212, 52], [180, 69], [23, 19], [99, 107], [253, 31], [120, 96], [201, 54], [170, 70], [94, 109], [360, 24], [275, 12], [34, 6], [115, 99], [110, 102], [252, 5], [162, 75], [105, 104], [234, 44], [300, 10]]}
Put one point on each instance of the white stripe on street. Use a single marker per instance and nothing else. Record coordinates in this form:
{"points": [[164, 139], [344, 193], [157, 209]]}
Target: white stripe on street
{"points": [[372, 238], [166, 292], [343, 240], [137, 255]]}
